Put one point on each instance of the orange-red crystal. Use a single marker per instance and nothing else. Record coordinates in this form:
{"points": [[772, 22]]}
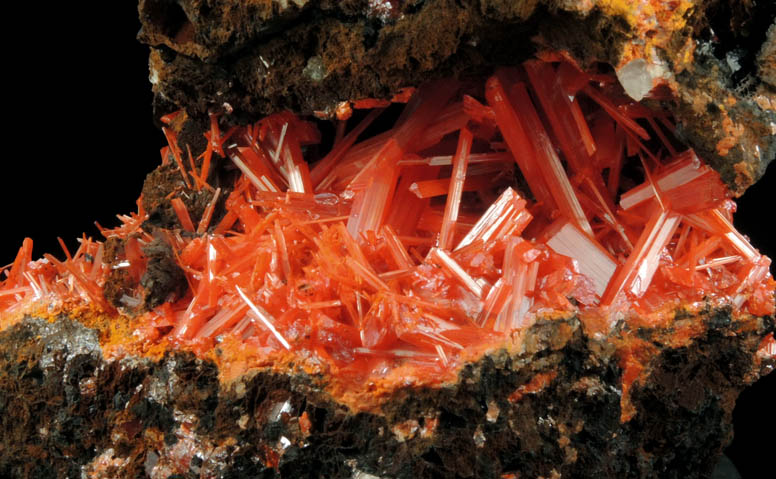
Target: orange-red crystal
{"points": [[417, 245]]}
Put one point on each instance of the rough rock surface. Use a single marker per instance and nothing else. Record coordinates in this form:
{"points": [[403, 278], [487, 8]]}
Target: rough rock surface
{"points": [[553, 410], [767, 58], [255, 57]]}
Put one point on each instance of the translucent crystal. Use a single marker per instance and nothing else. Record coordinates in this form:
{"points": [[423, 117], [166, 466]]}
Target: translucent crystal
{"points": [[453, 203], [594, 261], [414, 250], [635, 78]]}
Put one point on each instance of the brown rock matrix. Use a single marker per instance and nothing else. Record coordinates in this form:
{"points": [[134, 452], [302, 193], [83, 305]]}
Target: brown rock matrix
{"points": [[257, 57]]}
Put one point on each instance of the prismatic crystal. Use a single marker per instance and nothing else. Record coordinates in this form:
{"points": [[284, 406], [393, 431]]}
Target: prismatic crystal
{"points": [[486, 206]]}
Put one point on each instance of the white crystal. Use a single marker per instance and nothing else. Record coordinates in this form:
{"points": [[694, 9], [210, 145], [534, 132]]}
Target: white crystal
{"points": [[732, 60], [278, 409], [593, 261], [315, 69], [635, 78]]}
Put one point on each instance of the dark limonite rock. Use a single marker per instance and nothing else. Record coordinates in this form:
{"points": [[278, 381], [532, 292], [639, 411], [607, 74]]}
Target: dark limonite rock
{"points": [[66, 412]]}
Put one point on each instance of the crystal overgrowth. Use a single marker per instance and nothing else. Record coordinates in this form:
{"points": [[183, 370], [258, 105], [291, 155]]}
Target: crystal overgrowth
{"points": [[485, 207]]}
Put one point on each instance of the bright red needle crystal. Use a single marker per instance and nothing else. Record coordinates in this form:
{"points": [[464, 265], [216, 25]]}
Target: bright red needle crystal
{"points": [[460, 224]]}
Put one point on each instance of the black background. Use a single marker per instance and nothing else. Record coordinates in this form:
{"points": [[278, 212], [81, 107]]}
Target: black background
{"points": [[78, 141], [80, 132]]}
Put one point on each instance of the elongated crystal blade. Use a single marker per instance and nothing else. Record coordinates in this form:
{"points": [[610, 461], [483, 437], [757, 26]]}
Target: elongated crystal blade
{"points": [[516, 137], [371, 205], [636, 274], [453, 204], [549, 163], [506, 216]]}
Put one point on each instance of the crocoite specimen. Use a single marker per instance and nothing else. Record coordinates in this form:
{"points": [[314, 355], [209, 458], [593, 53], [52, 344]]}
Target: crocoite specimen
{"points": [[400, 257]]}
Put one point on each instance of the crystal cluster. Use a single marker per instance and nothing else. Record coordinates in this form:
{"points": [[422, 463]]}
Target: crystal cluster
{"points": [[543, 192]]}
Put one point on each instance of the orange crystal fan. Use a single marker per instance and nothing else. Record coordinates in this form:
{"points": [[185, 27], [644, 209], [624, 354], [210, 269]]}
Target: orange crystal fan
{"points": [[483, 208]]}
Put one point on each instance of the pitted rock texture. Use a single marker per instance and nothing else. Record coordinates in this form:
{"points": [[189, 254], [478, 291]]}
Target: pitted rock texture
{"points": [[553, 410], [767, 57], [252, 58]]}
